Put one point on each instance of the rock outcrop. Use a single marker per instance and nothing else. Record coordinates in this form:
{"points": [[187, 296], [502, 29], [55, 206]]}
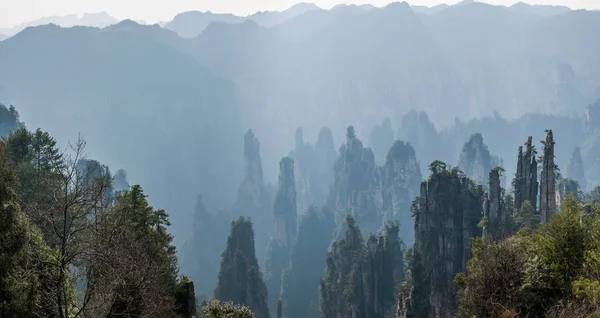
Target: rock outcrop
{"points": [[300, 280], [381, 139], [253, 199], [494, 209], [575, 169], [548, 203], [200, 252], [398, 186], [476, 160], [313, 169], [284, 235], [240, 279], [525, 183], [373, 194], [447, 214], [360, 279]]}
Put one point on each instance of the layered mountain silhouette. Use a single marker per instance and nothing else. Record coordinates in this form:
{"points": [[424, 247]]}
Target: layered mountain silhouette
{"points": [[140, 104], [100, 20], [351, 65]]}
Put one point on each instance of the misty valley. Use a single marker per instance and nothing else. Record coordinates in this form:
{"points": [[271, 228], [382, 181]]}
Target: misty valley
{"points": [[400, 161]]}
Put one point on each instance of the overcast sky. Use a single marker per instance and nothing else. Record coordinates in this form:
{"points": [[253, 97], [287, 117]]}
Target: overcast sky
{"points": [[13, 12]]}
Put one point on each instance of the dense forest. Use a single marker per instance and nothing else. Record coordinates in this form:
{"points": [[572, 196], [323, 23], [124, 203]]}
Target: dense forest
{"points": [[271, 166]]}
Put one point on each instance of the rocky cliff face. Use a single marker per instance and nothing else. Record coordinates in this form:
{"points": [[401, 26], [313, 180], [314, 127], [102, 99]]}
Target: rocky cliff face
{"points": [[398, 185], [253, 199], [476, 160], [446, 217], [240, 279], [313, 169], [381, 139], [494, 209], [373, 194], [575, 169], [360, 279], [300, 280], [525, 183], [548, 207], [284, 235]]}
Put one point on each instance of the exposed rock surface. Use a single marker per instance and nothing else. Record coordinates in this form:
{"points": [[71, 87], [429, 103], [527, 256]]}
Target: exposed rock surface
{"points": [[253, 199], [446, 217], [240, 279], [360, 279], [548, 207], [476, 160], [494, 209], [284, 235], [372, 194], [575, 168], [300, 280], [525, 183], [313, 169]]}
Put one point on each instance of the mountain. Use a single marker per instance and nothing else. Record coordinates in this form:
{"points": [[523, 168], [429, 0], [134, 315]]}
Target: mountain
{"points": [[190, 24], [3, 37], [140, 104], [100, 20]]}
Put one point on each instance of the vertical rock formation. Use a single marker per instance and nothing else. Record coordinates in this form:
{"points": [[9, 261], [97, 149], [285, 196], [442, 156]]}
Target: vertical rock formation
{"points": [[253, 199], [381, 139], [475, 159], [352, 188], [525, 183], [284, 235], [360, 280], [313, 169], [446, 217], [300, 280], [494, 209], [372, 194], [548, 181], [240, 279], [398, 185], [200, 252], [575, 168]]}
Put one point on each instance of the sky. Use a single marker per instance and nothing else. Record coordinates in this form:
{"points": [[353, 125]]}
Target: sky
{"points": [[14, 12]]}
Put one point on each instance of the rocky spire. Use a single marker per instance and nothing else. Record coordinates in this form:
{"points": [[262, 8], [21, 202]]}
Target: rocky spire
{"points": [[360, 279], [252, 162], [475, 159], [399, 186], [525, 184], [446, 217], [240, 279], [494, 209], [300, 280], [548, 181], [253, 199], [381, 139], [575, 169], [280, 244], [352, 188]]}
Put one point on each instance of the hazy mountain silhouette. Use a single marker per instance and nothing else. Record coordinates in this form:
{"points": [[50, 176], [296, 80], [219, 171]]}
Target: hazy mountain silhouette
{"points": [[100, 19], [192, 23], [141, 106]]}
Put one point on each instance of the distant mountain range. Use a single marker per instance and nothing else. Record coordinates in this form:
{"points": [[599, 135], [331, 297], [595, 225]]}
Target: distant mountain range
{"points": [[190, 24], [174, 107], [101, 19]]}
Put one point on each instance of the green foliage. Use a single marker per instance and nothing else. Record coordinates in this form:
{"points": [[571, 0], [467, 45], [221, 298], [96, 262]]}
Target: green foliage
{"points": [[527, 217], [217, 309], [552, 272], [355, 270], [240, 279]]}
